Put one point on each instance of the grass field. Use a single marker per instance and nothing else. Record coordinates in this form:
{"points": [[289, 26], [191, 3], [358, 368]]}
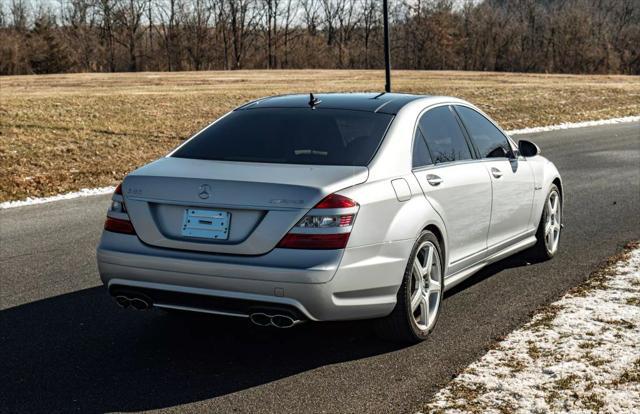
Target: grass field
{"points": [[60, 133]]}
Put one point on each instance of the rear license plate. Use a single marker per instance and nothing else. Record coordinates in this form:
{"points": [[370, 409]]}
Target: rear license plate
{"points": [[206, 224]]}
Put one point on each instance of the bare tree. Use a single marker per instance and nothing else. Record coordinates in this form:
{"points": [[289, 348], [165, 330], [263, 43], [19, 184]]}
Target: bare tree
{"points": [[573, 36], [241, 17], [128, 15], [311, 15], [370, 21], [330, 11], [169, 30], [107, 37], [347, 22], [290, 15], [19, 12], [271, 11], [196, 31], [80, 20]]}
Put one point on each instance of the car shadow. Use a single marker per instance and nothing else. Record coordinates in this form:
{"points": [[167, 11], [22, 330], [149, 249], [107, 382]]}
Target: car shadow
{"points": [[79, 351], [521, 259]]}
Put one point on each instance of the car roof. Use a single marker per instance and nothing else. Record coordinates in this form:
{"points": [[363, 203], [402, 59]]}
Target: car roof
{"points": [[387, 103]]}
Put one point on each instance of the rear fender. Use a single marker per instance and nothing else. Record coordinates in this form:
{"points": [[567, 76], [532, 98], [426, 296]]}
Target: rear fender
{"points": [[382, 218]]}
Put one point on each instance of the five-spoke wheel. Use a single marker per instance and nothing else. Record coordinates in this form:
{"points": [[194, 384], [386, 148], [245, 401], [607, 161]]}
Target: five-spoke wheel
{"points": [[426, 285], [552, 222], [550, 226], [420, 295]]}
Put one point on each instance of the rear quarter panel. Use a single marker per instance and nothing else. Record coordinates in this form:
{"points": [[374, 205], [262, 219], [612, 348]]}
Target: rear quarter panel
{"points": [[381, 241], [382, 218]]}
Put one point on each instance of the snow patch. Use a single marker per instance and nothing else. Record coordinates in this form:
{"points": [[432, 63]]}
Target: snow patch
{"points": [[85, 192], [580, 355], [574, 125]]}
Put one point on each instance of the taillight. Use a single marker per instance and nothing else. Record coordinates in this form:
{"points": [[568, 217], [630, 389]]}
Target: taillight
{"points": [[326, 226], [323, 222], [314, 241], [336, 201], [118, 220], [119, 226]]}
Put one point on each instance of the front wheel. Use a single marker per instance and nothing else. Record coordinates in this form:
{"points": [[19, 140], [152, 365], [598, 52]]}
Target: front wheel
{"points": [[420, 295], [550, 226]]}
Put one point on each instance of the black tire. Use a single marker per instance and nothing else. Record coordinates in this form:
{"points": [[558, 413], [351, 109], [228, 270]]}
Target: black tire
{"points": [[541, 251], [400, 326]]}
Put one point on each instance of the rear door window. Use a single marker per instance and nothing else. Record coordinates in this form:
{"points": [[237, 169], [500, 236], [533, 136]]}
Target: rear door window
{"points": [[421, 156], [491, 143], [291, 136], [443, 135]]}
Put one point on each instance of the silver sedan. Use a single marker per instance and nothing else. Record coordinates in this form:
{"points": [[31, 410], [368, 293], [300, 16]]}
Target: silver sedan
{"points": [[330, 207]]}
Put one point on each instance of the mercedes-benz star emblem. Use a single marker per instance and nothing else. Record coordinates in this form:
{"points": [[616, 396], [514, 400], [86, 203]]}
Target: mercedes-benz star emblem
{"points": [[204, 191]]}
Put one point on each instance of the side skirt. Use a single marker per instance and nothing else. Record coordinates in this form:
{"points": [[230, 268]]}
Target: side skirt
{"points": [[452, 280]]}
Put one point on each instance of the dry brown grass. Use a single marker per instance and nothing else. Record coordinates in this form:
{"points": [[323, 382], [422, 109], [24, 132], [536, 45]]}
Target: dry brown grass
{"points": [[60, 133]]}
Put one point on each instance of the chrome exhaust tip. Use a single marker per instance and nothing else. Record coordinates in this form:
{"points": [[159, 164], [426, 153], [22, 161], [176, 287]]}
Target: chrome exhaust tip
{"points": [[137, 303], [282, 321], [122, 301], [260, 319], [277, 321]]}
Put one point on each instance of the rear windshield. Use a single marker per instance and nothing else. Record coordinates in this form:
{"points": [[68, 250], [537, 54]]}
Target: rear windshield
{"points": [[291, 136]]}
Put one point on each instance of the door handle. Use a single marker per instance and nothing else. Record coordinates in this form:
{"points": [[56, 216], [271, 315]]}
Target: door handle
{"points": [[434, 180], [496, 172]]}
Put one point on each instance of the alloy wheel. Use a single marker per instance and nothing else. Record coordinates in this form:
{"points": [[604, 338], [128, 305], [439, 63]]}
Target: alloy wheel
{"points": [[426, 286], [552, 225]]}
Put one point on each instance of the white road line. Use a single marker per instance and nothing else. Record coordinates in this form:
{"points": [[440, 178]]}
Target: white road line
{"points": [[574, 125], [581, 355], [86, 192]]}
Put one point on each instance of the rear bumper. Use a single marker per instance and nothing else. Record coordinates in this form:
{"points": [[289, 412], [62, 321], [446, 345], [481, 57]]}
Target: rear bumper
{"points": [[356, 283]]}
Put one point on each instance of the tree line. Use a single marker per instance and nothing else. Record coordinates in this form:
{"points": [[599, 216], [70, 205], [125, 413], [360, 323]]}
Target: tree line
{"points": [[560, 36]]}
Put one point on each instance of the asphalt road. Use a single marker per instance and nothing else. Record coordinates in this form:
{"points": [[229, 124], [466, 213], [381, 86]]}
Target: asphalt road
{"points": [[66, 347]]}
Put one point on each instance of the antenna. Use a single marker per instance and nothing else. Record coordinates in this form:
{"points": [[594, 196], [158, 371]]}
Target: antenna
{"points": [[387, 63], [313, 101]]}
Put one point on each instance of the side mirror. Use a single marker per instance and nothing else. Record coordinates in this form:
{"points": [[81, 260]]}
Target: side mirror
{"points": [[528, 148]]}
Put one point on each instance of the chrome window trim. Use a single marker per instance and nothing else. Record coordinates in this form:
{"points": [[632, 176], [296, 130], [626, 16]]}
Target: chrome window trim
{"points": [[465, 162], [447, 164]]}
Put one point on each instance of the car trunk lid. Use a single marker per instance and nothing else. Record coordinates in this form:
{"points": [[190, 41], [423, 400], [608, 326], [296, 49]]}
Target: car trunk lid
{"points": [[254, 204]]}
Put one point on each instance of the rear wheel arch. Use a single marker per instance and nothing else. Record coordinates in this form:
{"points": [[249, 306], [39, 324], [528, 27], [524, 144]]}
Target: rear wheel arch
{"points": [[550, 219], [401, 324], [440, 236], [558, 184]]}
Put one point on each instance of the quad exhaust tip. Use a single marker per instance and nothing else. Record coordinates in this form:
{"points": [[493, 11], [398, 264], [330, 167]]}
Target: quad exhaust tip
{"points": [[139, 301], [277, 320]]}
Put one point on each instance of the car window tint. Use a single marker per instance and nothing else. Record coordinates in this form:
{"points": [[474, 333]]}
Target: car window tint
{"points": [[491, 143], [421, 156], [444, 136], [291, 136]]}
